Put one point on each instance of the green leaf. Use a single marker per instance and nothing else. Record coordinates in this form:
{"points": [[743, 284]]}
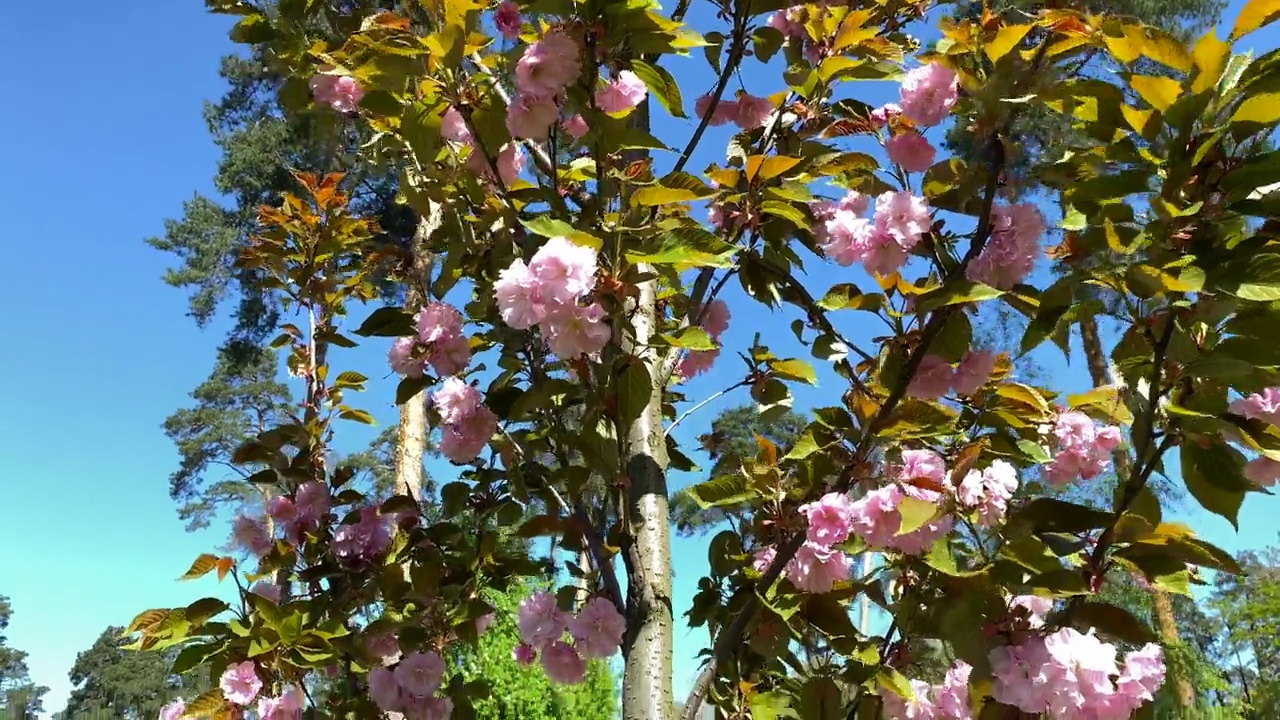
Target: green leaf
{"points": [[804, 446], [722, 491], [409, 388], [387, 322], [662, 85], [691, 338], [541, 526], [202, 566], [1263, 108], [786, 211], [1214, 475], [915, 513], [549, 227], [359, 416], [955, 292], [253, 30], [204, 609], [771, 706], [420, 126], [894, 682], [847, 296], [193, 656], [1053, 515], [349, 379], [634, 388], [793, 369], [1114, 621], [1159, 92], [454, 498], [1006, 39]]}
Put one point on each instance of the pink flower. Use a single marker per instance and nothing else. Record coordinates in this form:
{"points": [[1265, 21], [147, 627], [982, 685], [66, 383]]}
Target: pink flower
{"points": [[1018, 675], [524, 654], [484, 622], [453, 127], [918, 707], [1264, 406], [564, 270], [816, 569], [973, 371], [519, 296], [364, 539], [932, 379], [989, 491], [436, 708], [384, 689], [1142, 674], [622, 93], [715, 319], [404, 358], [903, 216], [926, 464], [1084, 448], [752, 112], [1034, 608], [462, 442], [240, 682], [928, 93], [696, 362], [1012, 249], [455, 400], [252, 535], [267, 590], [288, 706], [576, 126], [173, 711], [337, 91], [507, 19], [952, 696], [597, 630], [726, 110], [829, 519], [548, 66], [1262, 471], [876, 520], [883, 114], [540, 621], [312, 500], [574, 331], [420, 674], [281, 509], [531, 117], [763, 558], [910, 150], [384, 647], [563, 664], [787, 22], [510, 163]]}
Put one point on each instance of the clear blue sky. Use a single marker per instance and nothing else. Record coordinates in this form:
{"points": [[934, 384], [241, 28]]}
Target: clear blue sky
{"points": [[104, 119]]}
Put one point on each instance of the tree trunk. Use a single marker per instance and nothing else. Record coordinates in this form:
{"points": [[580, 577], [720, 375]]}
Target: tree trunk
{"points": [[411, 441], [647, 647], [1100, 372]]}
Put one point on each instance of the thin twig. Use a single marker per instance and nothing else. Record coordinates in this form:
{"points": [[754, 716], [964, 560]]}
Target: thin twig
{"points": [[704, 403]]}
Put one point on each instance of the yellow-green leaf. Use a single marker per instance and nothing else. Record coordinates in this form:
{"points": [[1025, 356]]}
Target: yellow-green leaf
{"points": [[1210, 57], [798, 370], [1264, 108], [1127, 47], [1160, 92], [854, 30], [769, 167], [1136, 118], [1166, 50], [915, 513], [659, 195], [201, 567], [1005, 40], [1256, 13]]}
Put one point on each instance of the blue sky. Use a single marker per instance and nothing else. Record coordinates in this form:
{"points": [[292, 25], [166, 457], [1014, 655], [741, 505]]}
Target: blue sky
{"points": [[104, 118]]}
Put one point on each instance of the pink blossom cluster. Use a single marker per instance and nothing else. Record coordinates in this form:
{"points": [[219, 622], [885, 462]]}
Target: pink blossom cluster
{"points": [[936, 377], [509, 162], [928, 93], [174, 710], [302, 513], [268, 590], [251, 534], [507, 19], [439, 343], [988, 491], [1012, 249], [596, 631], [911, 151], [625, 91], [1033, 608], [1084, 448], [339, 92], [1264, 406], [715, 320], [546, 68], [880, 244], [791, 23], [468, 425], [240, 683], [550, 292], [948, 700], [410, 687], [816, 568], [877, 518], [285, 706], [365, 539], [747, 112], [1069, 675]]}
